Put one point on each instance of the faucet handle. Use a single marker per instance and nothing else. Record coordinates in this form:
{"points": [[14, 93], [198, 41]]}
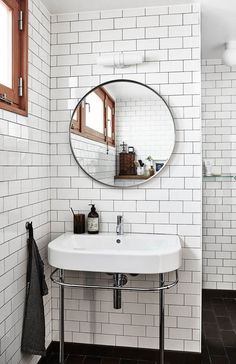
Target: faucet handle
{"points": [[119, 225], [119, 219]]}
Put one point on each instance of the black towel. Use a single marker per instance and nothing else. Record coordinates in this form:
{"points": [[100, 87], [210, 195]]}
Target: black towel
{"points": [[33, 335]]}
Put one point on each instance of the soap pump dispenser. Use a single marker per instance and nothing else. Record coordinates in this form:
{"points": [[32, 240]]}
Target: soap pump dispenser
{"points": [[93, 221]]}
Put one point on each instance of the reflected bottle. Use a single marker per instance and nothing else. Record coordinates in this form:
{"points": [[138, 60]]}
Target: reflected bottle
{"points": [[140, 171], [146, 171], [151, 171]]}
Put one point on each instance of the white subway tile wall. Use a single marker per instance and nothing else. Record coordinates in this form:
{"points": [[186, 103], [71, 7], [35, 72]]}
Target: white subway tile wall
{"points": [[147, 126], [170, 204], [25, 190], [98, 159], [218, 115]]}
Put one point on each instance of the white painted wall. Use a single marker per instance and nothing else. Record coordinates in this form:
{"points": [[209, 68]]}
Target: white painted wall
{"points": [[219, 229], [169, 38], [25, 190]]}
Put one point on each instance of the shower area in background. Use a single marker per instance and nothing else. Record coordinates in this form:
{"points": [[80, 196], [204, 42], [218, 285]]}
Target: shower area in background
{"points": [[219, 212], [219, 192]]}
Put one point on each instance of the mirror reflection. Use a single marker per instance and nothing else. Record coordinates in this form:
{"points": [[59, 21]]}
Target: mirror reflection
{"points": [[122, 133]]}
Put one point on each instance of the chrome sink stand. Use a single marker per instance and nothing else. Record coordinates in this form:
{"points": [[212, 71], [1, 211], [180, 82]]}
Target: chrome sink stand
{"points": [[161, 289]]}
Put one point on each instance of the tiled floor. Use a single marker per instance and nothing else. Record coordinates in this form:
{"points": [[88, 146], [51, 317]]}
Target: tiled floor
{"points": [[218, 343], [219, 329], [77, 359]]}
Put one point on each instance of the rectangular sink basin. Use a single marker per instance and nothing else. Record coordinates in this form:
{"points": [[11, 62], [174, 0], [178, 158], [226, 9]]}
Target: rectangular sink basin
{"points": [[108, 252]]}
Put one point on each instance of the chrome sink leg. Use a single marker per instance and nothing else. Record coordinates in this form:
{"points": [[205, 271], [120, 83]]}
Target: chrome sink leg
{"points": [[61, 317], [162, 317]]}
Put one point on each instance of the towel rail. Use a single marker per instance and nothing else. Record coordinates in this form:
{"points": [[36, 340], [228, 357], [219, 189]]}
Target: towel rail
{"points": [[151, 289]]}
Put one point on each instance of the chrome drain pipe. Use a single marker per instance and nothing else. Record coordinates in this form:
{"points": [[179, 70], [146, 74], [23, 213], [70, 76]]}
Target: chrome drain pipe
{"points": [[120, 280]]}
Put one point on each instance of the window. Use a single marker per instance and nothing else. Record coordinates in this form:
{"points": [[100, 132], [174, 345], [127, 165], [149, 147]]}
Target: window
{"points": [[95, 117], [14, 57], [94, 112]]}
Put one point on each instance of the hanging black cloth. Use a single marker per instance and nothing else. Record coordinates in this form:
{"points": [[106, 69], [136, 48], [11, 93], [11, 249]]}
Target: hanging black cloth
{"points": [[33, 335]]}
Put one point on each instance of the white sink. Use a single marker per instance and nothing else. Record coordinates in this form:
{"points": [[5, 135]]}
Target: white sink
{"points": [[136, 253]]}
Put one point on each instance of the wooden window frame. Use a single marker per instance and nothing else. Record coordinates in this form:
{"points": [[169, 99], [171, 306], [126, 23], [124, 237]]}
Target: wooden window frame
{"points": [[18, 104], [110, 102], [79, 120]]}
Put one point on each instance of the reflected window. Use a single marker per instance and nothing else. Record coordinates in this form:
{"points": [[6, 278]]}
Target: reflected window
{"points": [[95, 117], [109, 122], [94, 112]]}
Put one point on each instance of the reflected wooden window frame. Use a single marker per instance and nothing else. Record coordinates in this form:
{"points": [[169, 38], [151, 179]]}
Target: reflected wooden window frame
{"points": [[78, 125]]}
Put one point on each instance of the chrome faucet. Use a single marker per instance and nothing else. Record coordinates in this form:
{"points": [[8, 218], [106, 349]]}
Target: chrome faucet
{"points": [[119, 225]]}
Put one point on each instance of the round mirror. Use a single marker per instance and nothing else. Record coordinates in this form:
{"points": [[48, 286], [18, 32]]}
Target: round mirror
{"points": [[122, 133]]}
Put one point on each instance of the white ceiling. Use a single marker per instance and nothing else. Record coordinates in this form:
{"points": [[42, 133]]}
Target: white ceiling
{"points": [[218, 17]]}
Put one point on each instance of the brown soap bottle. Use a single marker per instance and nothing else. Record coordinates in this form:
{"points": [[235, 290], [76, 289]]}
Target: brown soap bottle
{"points": [[151, 171], [93, 221]]}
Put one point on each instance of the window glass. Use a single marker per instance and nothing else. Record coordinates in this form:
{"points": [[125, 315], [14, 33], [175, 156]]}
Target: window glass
{"points": [[109, 122], [6, 45], [94, 112], [75, 116]]}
